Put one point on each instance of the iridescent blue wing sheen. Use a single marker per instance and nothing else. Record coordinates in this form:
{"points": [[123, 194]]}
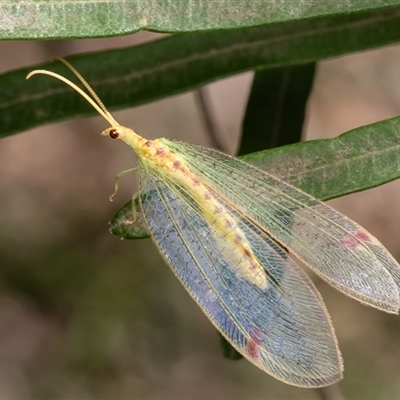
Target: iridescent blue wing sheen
{"points": [[339, 250], [285, 329]]}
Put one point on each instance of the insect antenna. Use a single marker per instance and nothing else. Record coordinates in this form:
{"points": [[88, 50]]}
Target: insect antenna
{"points": [[94, 100]]}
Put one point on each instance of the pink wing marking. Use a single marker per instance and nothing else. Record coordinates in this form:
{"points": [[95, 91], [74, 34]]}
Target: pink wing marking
{"points": [[253, 344], [362, 236], [351, 241]]}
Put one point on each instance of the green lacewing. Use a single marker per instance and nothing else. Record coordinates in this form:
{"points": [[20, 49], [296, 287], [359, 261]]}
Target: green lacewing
{"points": [[225, 228]]}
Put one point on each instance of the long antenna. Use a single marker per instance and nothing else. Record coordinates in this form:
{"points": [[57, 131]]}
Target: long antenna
{"points": [[94, 101]]}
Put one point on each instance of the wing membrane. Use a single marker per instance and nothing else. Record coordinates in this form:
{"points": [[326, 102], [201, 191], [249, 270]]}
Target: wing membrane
{"points": [[285, 329], [336, 248]]}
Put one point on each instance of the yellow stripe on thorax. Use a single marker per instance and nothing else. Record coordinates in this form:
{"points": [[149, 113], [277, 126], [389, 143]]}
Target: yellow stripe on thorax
{"points": [[158, 156]]}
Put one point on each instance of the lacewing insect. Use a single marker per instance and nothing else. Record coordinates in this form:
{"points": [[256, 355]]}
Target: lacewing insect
{"points": [[224, 227]]}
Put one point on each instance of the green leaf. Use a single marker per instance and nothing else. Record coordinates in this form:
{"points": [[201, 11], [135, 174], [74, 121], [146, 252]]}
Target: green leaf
{"points": [[360, 159], [357, 160], [50, 19], [129, 222], [276, 108], [133, 76]]}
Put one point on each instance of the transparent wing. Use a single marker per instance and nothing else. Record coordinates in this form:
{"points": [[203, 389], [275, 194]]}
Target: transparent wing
{"points": [[285, 329], [336, 248]]}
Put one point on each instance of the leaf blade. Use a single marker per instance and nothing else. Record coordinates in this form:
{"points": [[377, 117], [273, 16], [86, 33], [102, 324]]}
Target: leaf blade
{"points": [[134, 76], [327, 169], [38, 19]]}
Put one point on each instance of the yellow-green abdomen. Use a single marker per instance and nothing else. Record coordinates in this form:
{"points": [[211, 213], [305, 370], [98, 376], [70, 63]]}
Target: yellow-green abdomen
{"points": [[231, 240]]}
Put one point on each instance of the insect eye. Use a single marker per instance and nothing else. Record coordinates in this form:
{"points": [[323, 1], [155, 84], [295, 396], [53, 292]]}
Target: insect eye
{"points": [[113, 134]]}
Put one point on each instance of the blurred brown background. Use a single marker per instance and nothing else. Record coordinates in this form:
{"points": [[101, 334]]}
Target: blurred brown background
{"points": [[84, 315]]}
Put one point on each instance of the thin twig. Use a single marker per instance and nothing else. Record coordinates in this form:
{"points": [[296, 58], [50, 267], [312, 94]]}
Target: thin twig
{"points": [[208, 116], [330, 393]]}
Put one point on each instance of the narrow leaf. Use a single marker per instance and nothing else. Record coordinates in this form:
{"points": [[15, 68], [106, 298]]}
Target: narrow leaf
{"points": [[63, 19], [276, 108], [133, 76], [360, 159]]}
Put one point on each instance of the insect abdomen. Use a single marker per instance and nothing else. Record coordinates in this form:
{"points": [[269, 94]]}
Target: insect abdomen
{"points": [[236, 247]]}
